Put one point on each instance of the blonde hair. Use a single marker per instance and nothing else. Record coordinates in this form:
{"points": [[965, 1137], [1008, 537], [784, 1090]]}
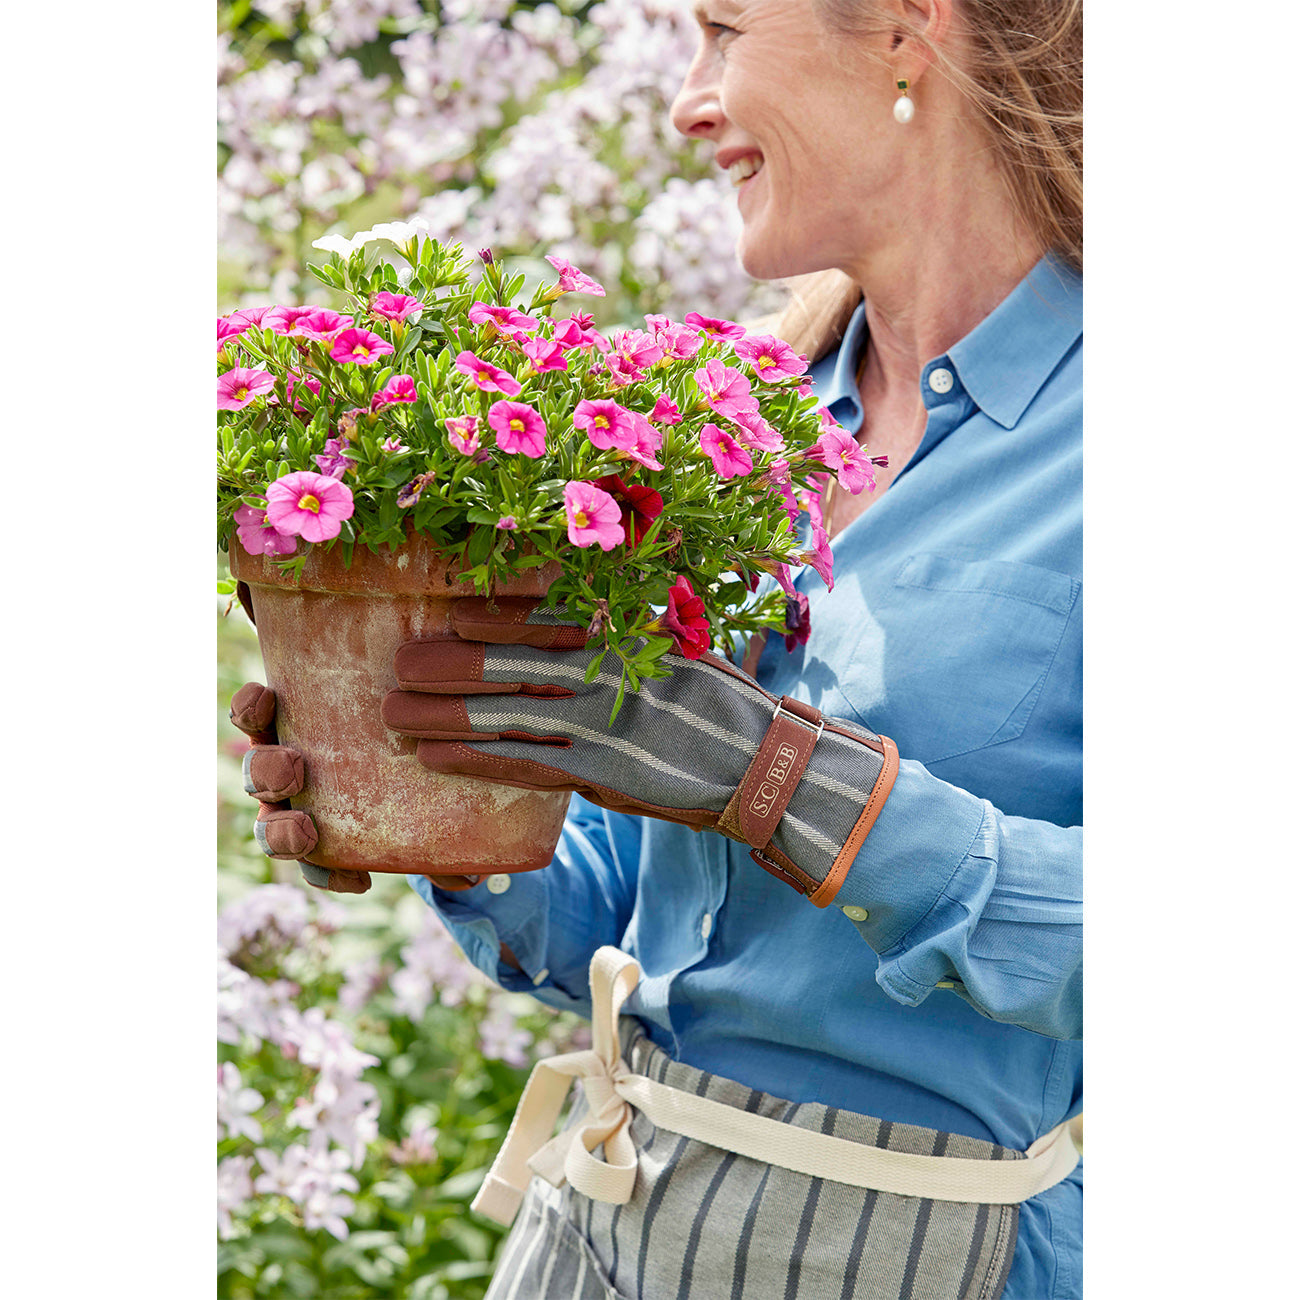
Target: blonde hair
{"points": [[1023, 72]]}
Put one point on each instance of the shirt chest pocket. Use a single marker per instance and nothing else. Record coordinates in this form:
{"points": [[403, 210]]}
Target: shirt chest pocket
{"points": [[962, 649]]}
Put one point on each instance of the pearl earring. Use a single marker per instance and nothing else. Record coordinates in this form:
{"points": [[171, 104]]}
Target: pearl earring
{"points": [[904, 109]]}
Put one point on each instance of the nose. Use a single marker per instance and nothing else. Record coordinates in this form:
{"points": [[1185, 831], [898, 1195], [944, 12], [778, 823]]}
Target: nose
{"points": [[697, 109]]}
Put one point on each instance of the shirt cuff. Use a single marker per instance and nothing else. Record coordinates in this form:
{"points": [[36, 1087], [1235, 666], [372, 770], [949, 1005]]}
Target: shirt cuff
{"points": [[919, 841]]}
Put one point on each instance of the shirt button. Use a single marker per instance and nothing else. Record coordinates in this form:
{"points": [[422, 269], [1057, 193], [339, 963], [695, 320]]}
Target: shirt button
{"points": [[498, 884], [940, 379], [855, 913], [706, 926]]}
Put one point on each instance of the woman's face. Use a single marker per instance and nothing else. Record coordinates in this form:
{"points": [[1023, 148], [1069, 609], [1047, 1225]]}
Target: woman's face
{"points": [[803, 124]]}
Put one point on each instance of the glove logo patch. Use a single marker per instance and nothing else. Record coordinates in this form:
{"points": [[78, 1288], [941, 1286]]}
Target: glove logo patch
{"points": [[777, 775]]}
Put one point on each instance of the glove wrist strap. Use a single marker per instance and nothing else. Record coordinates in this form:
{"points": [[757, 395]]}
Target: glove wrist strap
{"points": [[771, 779]]}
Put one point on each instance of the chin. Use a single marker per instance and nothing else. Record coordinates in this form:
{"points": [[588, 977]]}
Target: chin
{"points": [[775, 259]]}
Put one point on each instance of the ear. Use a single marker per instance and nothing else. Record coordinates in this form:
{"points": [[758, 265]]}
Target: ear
{"points": [[917, 29]]}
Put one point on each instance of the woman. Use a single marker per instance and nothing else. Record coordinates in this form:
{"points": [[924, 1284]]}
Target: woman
{"points": [[922, 157]]}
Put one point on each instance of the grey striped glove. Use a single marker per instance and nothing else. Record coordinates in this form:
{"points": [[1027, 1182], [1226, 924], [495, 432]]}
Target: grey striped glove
{"points": [[706, 747]]}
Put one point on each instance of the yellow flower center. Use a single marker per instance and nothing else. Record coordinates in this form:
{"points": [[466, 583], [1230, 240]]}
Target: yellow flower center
{"points": [[764, 362], [309, 502], [241, 393], [516, 425], [601, 422], [361, 350], [580, 518]]}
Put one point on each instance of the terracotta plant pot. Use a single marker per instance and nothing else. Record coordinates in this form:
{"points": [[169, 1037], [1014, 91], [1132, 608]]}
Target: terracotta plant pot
{"points": [[327, 644]]}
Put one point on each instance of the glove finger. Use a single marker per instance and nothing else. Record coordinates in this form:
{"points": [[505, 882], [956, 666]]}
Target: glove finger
{"points": [[272, 773], [460, 668], [252, 710], [285, 833], [455, 883], [335, 879], [445, 717], [460, 759], [514, 620]]}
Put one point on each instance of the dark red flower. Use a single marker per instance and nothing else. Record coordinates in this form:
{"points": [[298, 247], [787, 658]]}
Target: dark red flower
{"points": [[798, 622], [640, 505], [684, 619]]}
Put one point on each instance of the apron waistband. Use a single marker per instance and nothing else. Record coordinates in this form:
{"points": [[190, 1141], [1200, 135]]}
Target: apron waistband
{"points": [[612, 1089]]}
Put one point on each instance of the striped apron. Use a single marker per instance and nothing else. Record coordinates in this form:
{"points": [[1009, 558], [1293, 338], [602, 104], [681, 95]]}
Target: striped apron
{"points": [[710, 1190]]}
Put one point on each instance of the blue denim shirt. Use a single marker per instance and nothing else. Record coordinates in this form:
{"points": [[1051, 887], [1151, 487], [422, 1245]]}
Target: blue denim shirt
{"points": [[943, 986]]}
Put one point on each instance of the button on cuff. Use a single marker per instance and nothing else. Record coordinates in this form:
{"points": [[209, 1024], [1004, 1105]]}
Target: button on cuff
{"points": [[855, 913], [498, 884]]}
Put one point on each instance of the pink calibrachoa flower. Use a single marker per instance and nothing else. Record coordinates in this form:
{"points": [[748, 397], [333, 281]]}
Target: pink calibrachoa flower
{"points": [[507, 523], [574, 281], [334, 462], [518, 427], [575, 332], [545, 354], [725, 389], [290, 380], [648, 441], [320, 324], [607, 424], [400, 388], [462, 433], [504, 318], [488, 377], [677, 341], [593, 515], [666, 411], [798, 621], [728, 456], [684, 619], [360, 347], [714, 327], [839, 450], [395, 306], [756, 433], [772, 358], [258, 537], [308, 505], [227, 329], [393, 444], [247, 316], [283, 319], [820, 556], [236, 388]]}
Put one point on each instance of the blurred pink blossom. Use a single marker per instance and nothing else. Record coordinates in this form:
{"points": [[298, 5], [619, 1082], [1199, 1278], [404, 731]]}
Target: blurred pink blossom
{"points": [[505, 319], [545, 354], [593, 515], [396, 306], [714, 327], [400, 388], [574, 281], [258, 537], [462, 433], [728, 456]]}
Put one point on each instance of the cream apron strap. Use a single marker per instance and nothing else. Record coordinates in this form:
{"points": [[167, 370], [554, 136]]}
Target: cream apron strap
{"points": [[610, 1086]]}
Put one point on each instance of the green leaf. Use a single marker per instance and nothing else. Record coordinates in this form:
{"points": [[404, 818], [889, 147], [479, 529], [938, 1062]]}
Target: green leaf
{"points": [[462, 1186]]}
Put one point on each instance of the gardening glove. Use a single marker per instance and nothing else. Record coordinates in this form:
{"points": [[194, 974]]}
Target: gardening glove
{"points": [[272, 773], [703, 747]]}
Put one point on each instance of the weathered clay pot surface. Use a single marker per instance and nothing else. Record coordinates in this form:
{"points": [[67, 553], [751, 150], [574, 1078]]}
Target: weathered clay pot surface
{"points": [[327, 643]]}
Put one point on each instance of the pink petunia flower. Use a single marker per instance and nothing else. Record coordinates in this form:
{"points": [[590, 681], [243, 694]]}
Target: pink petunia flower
{"points": [[518, 427], [684, 620], [395, 306], [545, 354], [574, 281], [308, 505], [728, 456], [247, 316], [607, 424], [400, 388], [236, 388], [393, 444], [714, 327], [725, 389], [462, 433], [677, 341], [360, 347], [841, 452], [488, 377], [258, 537], [593, 515], [227, 329], [772, 358], [507, 523], [798, 621], [666, 411], [291, 380], [504, 318]]}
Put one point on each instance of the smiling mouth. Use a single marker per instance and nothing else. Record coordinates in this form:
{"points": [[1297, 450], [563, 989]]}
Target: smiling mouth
{"points": [[742, 169]]}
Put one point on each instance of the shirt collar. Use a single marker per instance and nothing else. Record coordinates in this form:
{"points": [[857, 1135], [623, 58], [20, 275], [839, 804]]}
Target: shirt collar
{"points": [[1002, 362]]}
